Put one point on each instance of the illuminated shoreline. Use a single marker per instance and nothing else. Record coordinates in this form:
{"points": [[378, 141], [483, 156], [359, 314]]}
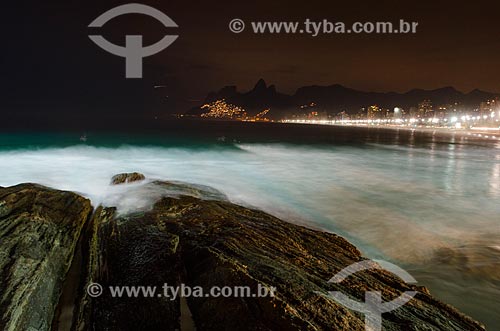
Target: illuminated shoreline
{"points": [[477, 132]]}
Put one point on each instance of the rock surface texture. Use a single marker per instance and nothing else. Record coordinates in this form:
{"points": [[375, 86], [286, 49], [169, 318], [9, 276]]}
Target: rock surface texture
{"points": [[205, 243], [127, 178], [39, 231], [201, 240]]}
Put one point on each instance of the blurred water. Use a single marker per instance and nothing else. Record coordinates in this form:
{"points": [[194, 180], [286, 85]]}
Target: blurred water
{"points": [[428, 203]]}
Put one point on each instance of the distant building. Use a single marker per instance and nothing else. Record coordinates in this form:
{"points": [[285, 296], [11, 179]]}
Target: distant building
{"points": [[413, 112], [398, 113], [374, 112], [485, 108], [360, 114], [343, 116], [425, 108]]}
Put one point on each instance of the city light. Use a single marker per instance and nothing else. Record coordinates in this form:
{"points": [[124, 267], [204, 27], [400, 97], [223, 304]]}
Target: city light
{"points": [[221, 109], [451, 116]]}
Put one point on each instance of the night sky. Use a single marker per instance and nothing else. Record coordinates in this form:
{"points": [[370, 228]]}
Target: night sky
{"points": [[49, 66]]}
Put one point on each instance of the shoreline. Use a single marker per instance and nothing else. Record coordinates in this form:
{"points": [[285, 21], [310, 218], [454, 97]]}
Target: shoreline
{"points": [[480, 133]]}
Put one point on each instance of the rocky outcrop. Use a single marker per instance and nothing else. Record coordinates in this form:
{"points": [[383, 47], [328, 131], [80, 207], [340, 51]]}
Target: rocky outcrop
{"points": [[207, 243], [191, 236], [176, 189], [127, 178], [39, 230]]}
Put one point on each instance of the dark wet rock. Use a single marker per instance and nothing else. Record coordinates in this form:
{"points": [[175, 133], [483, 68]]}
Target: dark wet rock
{"points": [[210, 243], [187, 240], [129, 251], [141, 198], [39, 230], [127, 178], [176, 189]]}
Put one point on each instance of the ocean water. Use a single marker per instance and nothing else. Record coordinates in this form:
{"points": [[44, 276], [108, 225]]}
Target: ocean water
{"points": [[427, 201]]}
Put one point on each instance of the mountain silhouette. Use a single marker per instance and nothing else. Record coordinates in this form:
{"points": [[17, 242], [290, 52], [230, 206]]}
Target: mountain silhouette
{"points": [[337, 98]]}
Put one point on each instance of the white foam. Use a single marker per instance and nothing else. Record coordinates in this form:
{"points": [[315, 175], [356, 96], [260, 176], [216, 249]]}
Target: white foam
{"points": [[392, 200]]}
